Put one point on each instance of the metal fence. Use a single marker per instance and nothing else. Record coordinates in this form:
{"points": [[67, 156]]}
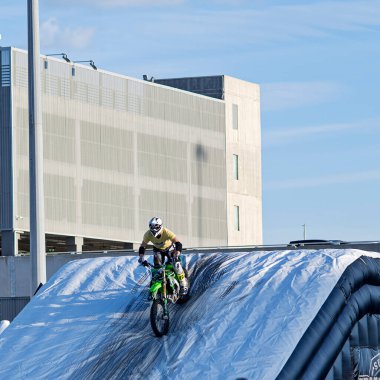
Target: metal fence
{"points": [[11, 306]]}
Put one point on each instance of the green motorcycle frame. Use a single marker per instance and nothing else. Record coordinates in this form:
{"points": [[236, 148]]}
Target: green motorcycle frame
{"points": [[164, 289]]}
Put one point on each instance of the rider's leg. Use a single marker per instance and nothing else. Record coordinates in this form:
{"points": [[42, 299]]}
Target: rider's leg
{"points": [[158, 257], [177, 267]]}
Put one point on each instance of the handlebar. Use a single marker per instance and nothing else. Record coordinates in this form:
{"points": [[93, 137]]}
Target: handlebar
{"points": [[147, 264]]}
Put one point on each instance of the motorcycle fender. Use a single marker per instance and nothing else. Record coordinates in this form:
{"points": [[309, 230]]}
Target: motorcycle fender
{"points": [[155, 287]]}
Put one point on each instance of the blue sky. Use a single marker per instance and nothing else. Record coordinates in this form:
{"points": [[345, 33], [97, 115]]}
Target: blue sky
{"points": [[317, 63]]}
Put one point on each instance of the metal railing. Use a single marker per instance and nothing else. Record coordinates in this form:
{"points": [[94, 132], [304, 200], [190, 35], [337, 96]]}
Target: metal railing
{"points": [[11, 306]]}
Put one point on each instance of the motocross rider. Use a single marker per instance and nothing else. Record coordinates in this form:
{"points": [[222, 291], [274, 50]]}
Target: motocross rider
{"points": [[163, 240]]}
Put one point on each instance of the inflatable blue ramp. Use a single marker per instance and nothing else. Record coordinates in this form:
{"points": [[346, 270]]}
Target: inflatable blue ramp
{"points": [[299, 314]]}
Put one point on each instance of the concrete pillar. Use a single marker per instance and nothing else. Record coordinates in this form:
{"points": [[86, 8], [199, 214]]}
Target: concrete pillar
{"points": [[74, 243], [9, 243]]}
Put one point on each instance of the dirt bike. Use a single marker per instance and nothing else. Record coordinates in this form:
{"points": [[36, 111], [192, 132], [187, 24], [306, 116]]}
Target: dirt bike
{"points": [[164, 288]]}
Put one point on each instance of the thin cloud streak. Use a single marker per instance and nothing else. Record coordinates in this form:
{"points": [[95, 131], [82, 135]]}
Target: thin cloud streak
{"points": [[285, 95], [205, 30], [277, 23], [120, 3], [335, 179], [324, 17], [286, 135], [247, 24]]}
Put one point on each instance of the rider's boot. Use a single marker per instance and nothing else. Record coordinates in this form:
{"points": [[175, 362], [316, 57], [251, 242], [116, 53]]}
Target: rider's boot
{"points": [[184, 288]]}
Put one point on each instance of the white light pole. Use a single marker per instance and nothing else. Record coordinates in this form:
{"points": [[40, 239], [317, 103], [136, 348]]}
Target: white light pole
{"points": [[304, 231], [36, 186]]}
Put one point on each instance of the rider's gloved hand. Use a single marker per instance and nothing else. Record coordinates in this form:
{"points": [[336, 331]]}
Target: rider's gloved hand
{"points": [[141, 259], [176, 255]]}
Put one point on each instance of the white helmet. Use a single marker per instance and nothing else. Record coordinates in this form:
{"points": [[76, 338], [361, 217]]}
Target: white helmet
{"points": [[155, 226]]}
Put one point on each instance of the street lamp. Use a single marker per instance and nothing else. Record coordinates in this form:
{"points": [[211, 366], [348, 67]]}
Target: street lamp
{"points": [[91, 62], [63, 55], [145, 77]]}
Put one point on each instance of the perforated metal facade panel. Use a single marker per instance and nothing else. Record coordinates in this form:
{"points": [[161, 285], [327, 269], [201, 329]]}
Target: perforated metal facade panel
{"points": [[118, 151], [6, 145]]}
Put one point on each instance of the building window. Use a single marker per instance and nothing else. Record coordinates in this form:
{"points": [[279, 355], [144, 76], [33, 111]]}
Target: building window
{"points": [[235, 116], [235, 166], [236, 218]]}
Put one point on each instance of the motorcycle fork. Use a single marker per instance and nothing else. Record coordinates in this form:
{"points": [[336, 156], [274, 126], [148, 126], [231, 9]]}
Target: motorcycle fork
{"points": [[164, 294]]}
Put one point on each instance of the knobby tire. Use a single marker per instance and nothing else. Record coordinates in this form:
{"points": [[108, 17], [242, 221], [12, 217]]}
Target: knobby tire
{"points": [[160, 326]]}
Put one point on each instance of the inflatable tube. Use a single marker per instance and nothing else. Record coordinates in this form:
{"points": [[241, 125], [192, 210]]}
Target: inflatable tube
{"points": [[356, 294]]}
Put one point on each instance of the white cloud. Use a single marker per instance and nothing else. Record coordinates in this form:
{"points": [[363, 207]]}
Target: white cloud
{"points": [[283, 136], [246, 24], [120, 3], [286, 135], [334, 179], [284, 95], [54, 36]]}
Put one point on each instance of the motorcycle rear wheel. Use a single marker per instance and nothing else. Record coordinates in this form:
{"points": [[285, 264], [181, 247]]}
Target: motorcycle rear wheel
{"points": [[160, 325]]}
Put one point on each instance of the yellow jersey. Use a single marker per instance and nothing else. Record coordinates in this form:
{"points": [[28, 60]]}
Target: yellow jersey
{"points": [[164, 241]]}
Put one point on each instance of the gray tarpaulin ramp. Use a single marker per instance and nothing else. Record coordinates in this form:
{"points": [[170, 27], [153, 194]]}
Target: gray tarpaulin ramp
{"points": [[248, 317]]}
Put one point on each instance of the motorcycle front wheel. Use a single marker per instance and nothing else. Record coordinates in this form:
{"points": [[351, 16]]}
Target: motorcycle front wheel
{"points": [[158, 320]]}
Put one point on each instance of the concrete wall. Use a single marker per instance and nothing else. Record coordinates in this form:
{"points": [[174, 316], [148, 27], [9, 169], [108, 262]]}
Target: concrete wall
{"points": [[243, 139], [243, 104]]}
